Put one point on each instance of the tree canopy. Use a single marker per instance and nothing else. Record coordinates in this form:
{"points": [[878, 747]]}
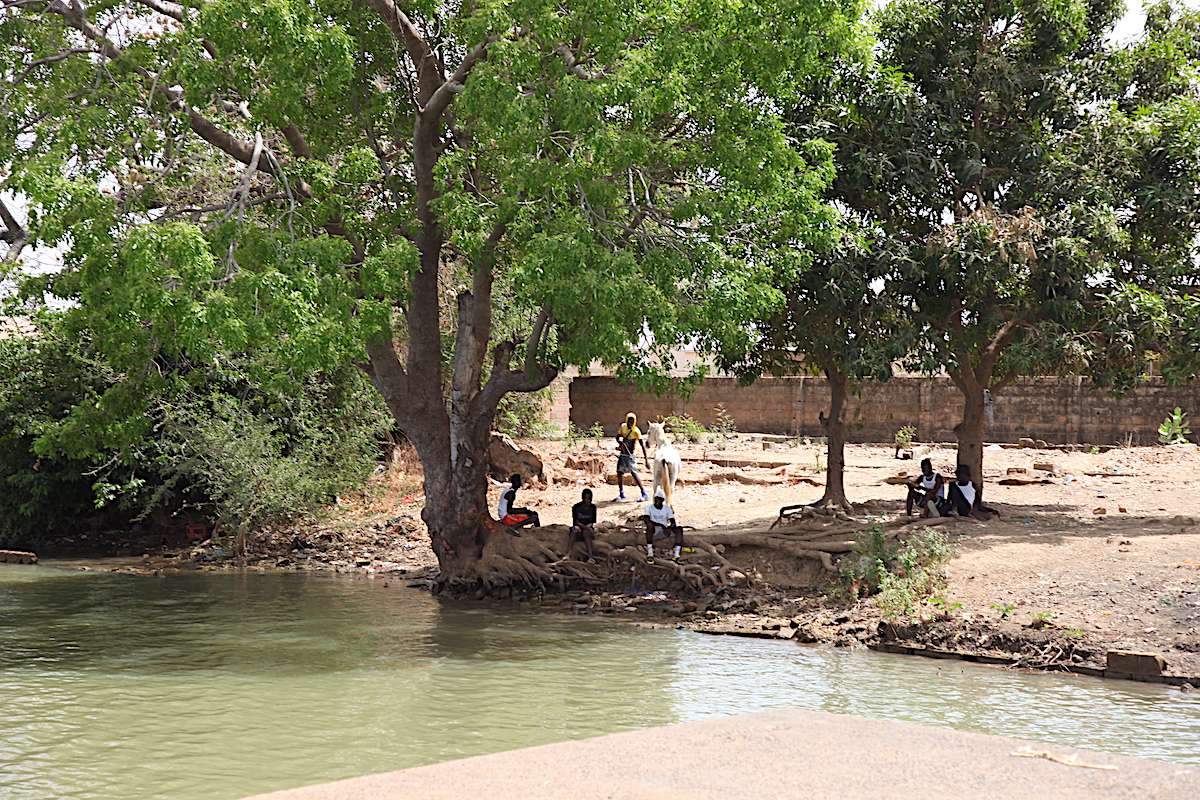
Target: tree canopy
{"points": [[1020, 179], [459, 199]]}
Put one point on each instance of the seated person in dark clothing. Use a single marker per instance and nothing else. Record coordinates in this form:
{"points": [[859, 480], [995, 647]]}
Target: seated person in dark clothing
{"points": [[512, 516], [583, 524]]}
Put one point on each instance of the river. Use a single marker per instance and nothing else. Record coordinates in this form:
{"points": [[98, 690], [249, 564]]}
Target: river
{"points": [[212, 686]]}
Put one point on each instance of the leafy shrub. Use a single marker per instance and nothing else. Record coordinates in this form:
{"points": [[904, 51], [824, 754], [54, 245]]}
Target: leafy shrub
{"points": [[724, 429], [683, 428], [525, 415], [899, 576], [1174, 429], [904, 437]]}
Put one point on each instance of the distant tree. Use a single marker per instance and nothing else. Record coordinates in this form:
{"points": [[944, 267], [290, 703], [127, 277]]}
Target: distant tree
{"points": [[834, 323], [1023, 175], [461, 199]]}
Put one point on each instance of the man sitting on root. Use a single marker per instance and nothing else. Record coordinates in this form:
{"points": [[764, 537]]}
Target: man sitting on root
{"points": [[510, 515], [583, 524], [660, 523]]}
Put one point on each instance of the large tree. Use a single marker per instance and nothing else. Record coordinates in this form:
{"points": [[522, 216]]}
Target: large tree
{"points": [[461, 199], [1022, 173]]}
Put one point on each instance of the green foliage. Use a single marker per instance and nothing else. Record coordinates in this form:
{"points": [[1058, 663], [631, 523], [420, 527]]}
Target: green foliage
{"points": [[573, 436], [917, 573], [899, 576], [461, 200], [683, 428], [41, 494], [525, 415], [1003, 609], [724, 428], [944, 608], [78, 453], [277, 463], [904, 437], [1040, 619], [1015, 173], [1174, 429]]}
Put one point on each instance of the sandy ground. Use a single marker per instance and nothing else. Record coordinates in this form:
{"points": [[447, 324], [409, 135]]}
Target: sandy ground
{"points": [[1106, 544]]}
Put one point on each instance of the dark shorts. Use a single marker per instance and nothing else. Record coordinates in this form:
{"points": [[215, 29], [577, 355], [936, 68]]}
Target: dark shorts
{"points": [[627, 465]]}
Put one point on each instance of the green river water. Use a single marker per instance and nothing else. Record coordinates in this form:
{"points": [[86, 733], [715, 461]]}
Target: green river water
{"points": [[218, 685]]}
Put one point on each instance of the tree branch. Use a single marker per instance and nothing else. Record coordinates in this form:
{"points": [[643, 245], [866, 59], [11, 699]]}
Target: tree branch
{"points": [[533, 344], [429, 74], [296, 141], [206, 129], [577, 68], [31, 66], [15, 233], [455, 83], [167, 9]]}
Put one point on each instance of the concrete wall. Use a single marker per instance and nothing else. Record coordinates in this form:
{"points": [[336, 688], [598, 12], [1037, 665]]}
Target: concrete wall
{"points": [[1059, 410]]}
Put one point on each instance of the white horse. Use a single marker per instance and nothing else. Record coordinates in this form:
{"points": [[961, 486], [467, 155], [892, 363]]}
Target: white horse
{"points": [[667, 463]]}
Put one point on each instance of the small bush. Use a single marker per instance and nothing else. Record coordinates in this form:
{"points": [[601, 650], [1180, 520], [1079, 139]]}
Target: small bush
{"points": [[525, 415], [685, 429], [898, 576], [1174, 429], [725, 428], [905, 436]]}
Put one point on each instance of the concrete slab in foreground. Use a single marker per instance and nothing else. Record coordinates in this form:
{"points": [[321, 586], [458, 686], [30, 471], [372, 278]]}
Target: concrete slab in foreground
{"points": [[777, 754]]}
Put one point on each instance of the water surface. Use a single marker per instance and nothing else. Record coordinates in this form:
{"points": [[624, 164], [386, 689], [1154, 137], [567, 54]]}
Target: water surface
{"points": [[215, 686]]}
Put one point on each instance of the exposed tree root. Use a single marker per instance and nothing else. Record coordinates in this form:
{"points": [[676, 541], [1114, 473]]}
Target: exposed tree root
{"points": [[537, 558]]}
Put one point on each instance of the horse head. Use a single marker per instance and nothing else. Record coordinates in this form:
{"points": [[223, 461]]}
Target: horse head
{"points": [[657, 435]]}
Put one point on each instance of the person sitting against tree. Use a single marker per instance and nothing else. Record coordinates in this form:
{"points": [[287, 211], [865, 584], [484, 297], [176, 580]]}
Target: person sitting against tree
{"points": [[961, 496], [627, 436], [929, 485], [509, 514], [660, 523], [583, 524]]}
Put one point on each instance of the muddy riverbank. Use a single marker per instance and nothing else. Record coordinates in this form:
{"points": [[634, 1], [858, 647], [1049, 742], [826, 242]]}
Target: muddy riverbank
{"points": [[1094, 552]]}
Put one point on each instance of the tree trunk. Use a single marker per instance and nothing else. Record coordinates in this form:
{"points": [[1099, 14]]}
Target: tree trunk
{"points": [[835, 431], [971, 428]]}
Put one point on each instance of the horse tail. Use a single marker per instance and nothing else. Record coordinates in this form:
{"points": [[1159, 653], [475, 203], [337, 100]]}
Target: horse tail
{"points": [[668, 479]]}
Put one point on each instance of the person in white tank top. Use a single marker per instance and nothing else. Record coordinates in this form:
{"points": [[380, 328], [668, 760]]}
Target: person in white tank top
{"points": [[929, 485], [961, 495]]}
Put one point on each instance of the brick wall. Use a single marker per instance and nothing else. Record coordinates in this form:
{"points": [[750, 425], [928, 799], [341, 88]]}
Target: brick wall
{"points": [[558, 412], [1059, 410]]}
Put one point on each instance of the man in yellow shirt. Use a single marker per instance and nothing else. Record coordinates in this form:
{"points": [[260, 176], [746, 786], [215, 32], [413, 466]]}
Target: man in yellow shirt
{"points": [[628, 437]]}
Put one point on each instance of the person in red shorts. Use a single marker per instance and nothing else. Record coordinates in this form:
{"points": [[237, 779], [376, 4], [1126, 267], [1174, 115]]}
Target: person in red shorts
{"points": [[512, 516]]}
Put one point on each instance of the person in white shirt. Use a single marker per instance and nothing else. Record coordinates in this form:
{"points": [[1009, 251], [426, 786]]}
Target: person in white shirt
{"points": [[929, 485], [961, 495], [509, 514], [660, 521]]}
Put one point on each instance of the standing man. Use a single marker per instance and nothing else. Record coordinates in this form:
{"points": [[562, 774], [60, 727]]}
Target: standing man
{"points": [[628, 437], [660, 521]]}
